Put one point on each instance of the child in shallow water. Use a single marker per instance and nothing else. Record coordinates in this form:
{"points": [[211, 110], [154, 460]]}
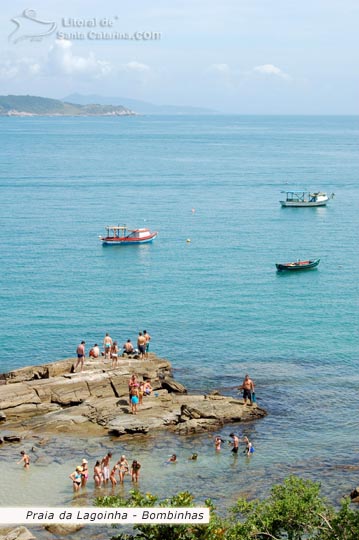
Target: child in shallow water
{"points": [[249, 447], [135, 470]]}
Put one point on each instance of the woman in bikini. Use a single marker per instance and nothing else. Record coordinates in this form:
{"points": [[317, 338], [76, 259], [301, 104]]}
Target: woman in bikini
{"points": [[76, 478], [113, 472], [97, 474], [114, 354], [123, 468], [85, 473]]}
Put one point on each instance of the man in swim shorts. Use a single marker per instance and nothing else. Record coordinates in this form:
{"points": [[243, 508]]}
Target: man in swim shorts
{"points": [[248, 388], [235, 443], [148, 339], [107, 343], [141, 344], [105, 467], [80, 351]]}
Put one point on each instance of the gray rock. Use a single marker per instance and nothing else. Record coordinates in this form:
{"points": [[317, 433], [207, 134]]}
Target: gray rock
{"points": [[12, 438]]}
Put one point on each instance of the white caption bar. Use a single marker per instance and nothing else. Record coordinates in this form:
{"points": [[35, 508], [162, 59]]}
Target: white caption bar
{"points": [[96, 515]]}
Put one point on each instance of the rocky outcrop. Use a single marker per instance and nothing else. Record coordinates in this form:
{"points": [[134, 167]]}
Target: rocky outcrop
{"points": [[16, 533], [52, 398], [60, 529]]}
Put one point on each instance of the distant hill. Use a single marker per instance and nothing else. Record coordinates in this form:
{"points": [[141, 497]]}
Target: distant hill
{"points": [[40, 106], [141, 107]]}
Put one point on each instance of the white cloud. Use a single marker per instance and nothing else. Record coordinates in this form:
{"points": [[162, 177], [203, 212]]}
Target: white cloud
{"points": [[62, 61], [22, 67], [270, 69], [136, 67]]}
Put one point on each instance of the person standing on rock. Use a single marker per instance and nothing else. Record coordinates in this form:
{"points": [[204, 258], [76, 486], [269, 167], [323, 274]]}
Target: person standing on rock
{"points": [[248, 388], [131, 383], [134, 393], [107, 343], [105, 467], [148, 339], [80, 351], [114, 354], [141, 344]]}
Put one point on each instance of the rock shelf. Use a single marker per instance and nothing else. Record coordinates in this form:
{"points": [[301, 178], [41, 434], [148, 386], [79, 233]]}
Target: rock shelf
{"points": [[51, 398]]}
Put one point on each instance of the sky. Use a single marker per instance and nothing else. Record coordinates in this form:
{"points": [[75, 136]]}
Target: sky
{"points": [[232, 56]]}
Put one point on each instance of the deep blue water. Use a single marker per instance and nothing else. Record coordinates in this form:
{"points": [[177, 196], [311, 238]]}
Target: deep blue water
{"points": [[214, 306]]}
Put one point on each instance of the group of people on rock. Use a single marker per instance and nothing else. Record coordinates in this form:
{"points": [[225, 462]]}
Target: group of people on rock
{"points": [[136, 390], [103, 473], [111, 350]]}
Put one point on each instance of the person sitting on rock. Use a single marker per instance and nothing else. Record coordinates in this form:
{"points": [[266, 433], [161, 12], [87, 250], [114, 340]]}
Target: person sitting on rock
{"points": [[147, 388], [94, 351], [128, 348]]}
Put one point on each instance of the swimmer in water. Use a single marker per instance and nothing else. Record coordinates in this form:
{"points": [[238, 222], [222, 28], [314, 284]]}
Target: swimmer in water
{"points": [[172, 459], [25, 458], [218, 442]]}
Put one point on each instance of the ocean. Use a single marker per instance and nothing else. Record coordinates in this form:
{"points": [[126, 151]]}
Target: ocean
{"points": [[215, 305]]}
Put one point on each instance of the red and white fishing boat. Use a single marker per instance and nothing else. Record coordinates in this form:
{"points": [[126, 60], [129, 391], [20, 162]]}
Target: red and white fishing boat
{"points": [[120, 235]]}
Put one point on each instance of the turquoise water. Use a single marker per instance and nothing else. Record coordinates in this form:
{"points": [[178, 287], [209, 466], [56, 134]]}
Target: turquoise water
{"points": [[214, 306]]}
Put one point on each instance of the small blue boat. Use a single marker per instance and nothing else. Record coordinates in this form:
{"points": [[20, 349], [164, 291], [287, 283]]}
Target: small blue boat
{"points": [[298, 265]]}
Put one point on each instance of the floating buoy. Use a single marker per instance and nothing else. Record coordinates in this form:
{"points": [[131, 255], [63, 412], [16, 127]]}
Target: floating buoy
{"points": [[188, 240]]}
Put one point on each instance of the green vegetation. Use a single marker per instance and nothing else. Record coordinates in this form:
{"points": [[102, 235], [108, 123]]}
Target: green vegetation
{"points": [[294, 510], [39, 106]]}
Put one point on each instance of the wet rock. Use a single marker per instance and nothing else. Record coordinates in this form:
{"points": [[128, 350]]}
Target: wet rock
{"points": [[12, 438]]}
